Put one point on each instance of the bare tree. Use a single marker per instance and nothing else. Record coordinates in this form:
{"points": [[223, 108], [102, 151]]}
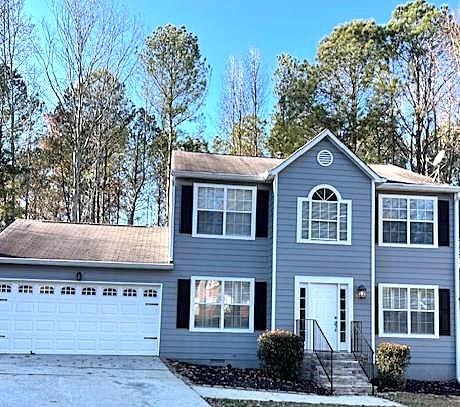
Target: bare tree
{"points": [[86, 36], [242, 105], [257, 81], [15, 34]]}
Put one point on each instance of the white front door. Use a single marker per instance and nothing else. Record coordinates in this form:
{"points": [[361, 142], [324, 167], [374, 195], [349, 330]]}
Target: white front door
{"points": [[79, 318], [323, 307]]}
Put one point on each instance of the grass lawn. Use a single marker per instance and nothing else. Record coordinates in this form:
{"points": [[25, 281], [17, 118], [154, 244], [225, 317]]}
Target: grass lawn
{"points": [[423, 400], [405, 398], [240, 403]]}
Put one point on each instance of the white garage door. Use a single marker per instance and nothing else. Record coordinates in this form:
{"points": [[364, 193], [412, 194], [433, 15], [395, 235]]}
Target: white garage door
{"points": [[79, 318]]}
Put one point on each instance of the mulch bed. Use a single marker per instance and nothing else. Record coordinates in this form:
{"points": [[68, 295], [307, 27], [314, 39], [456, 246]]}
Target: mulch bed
{"points": [[445, 388], [228, 376]]}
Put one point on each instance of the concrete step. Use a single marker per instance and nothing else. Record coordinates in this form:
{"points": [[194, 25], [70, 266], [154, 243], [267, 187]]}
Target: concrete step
{"points": [[348, 377]]}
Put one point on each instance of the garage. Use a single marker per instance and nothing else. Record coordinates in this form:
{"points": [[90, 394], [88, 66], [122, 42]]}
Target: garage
{"points": [[87, 318]]}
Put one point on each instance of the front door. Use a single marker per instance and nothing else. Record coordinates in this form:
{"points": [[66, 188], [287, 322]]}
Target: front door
{"points": [[323, 307]]}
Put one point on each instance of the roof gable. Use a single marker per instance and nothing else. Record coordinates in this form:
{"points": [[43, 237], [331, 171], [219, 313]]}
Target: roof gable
{"points": [[317, 139]]}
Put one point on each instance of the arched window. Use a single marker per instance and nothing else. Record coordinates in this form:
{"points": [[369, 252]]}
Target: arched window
{"points": [[323, 217]]}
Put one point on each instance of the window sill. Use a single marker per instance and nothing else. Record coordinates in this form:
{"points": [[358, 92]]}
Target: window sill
{"points": [[409, 246], [218, 330], [327, 242], [223, 237], [409, 336]]}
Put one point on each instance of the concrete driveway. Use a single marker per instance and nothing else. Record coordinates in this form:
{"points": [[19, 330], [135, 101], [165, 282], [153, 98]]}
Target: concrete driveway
{"points": [[97, 381]]}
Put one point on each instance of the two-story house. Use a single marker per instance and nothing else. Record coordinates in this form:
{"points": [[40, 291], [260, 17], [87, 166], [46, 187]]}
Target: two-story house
{"points": [[345, 254]]}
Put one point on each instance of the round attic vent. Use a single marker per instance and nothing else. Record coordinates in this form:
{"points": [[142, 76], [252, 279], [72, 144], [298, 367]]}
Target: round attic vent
{"points": [[325, 158]]}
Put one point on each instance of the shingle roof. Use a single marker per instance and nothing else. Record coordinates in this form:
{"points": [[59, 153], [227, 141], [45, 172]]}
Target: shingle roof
{"points": [[68, 241], [183, 162], [222, 164], [394, 173]]}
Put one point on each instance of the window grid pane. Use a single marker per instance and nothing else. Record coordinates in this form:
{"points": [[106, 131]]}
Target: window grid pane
{"points": [[224, 211], [222, 304], [398, 310], [305, 219], [403, 216]]}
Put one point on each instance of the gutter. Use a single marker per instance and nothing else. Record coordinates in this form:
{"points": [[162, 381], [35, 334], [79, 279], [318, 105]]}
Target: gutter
{"points": [[220, 176], [399, 186], [86, 263], [457, 284]]}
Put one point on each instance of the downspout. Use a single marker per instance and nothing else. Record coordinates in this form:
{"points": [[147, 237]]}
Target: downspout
{"points": [[373, 266], [172, 204], [457, 284], [274, 240]]}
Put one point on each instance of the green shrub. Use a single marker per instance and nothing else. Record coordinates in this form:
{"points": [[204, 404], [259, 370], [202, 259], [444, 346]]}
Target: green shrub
{"points": [[392, 360], [281, 354]]}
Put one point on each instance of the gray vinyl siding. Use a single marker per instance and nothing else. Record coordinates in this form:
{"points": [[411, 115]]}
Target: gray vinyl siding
{"points": [[307, 259], [431, 358], [223, 258]]}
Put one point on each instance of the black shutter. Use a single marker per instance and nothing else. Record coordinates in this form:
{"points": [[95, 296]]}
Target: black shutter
{"points": [[183, 304], [376, 310], [186, 209], [263, 197], [444, 312], [443, 223], [260, 306]]}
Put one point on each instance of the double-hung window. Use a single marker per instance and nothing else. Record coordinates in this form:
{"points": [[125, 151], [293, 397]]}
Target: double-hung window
{"points": [[323, 217], [222, 304], [408, 310], [408, 221], [224, 211]]}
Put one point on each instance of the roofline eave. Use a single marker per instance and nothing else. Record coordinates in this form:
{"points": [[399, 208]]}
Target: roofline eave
{"points": [[219, 176], [401, 186], [85, 263]]}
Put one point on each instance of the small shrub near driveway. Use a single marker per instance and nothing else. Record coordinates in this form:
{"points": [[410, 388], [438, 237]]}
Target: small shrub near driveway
{"points": [[281, 354], [392, 360]]}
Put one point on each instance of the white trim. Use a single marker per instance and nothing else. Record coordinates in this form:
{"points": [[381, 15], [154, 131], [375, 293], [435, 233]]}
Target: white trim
{"points": [[172, 207], [274, 251], [348, 281], [86, 263], [373, 266], [409, 221], [327, 133], [457, 283], [225, 187], [382, 334], [66, 281], [399, 186], [251, 281], [218, 176], [348, 202]]}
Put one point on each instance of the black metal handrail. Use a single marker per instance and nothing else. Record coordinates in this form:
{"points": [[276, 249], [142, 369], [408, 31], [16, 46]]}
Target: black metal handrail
{"points": [[316, 342], [362, 351]]}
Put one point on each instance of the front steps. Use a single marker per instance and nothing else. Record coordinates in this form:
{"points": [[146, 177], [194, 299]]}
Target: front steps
{"points": [[348, 377]]}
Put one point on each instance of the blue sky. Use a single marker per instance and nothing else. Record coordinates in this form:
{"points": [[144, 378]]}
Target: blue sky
{"points": [[231, 27]]}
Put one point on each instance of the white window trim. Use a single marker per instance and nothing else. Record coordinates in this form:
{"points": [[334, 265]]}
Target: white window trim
{"points": [[300, 201], [408, 221], [251, 281], [226, 188], [382, 334]]}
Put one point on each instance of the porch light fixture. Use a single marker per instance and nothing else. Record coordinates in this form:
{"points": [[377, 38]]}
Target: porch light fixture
{"points": [[362, 292], [78, 276]]}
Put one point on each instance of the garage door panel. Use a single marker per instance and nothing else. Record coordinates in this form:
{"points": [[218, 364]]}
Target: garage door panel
{"points": [[57, 318], [68, 308]]}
